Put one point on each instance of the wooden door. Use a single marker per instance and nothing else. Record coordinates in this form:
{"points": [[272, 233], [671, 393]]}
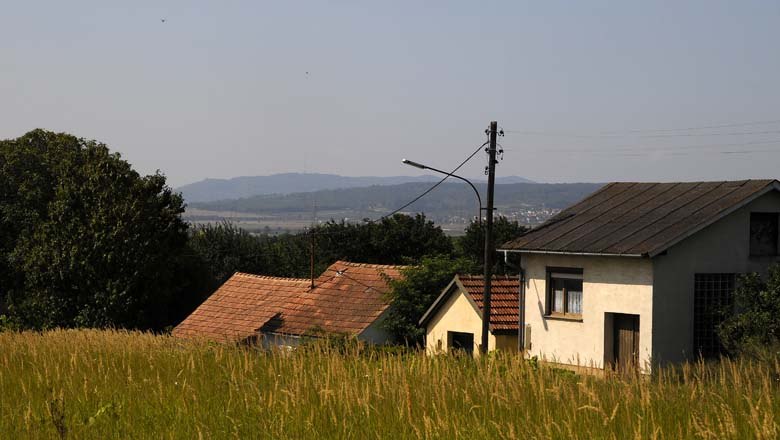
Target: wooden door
{"points": [[626, 340]]}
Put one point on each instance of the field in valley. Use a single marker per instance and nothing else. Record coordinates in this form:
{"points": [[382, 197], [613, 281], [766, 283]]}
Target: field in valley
{"points": [[112, 384]]}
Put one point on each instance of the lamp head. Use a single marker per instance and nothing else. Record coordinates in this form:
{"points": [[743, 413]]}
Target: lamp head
{"points": [[414, 164]]}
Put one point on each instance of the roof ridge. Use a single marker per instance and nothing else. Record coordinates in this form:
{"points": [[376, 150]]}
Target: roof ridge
{"points": [[268, 277], [370, 265]]}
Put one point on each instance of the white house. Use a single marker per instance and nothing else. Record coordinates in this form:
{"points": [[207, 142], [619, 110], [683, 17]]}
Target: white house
{"points": [[632, 273]]}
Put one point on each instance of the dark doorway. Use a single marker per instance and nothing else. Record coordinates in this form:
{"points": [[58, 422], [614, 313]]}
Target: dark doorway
{"points": [[626, 342], [458, 341]]}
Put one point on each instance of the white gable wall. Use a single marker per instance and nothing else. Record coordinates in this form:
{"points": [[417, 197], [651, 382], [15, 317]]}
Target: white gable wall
{"points": [[610, 285], [722, 247], [457, 314]]}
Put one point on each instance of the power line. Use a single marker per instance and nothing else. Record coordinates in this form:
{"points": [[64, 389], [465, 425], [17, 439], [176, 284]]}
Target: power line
{"points": [[619, 135], [651, 149], [657, 130], [436, 185]]}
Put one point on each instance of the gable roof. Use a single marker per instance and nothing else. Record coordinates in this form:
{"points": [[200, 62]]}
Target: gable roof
{"points": [[347, 298], [639, 219], [504, 299], [240, 305]]}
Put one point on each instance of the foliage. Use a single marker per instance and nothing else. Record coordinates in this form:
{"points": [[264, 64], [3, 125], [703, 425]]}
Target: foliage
{"points": [[472, 244], [756, 322], [415, 292], [111, 385], [399, 239], [226, 249], [85, 240]]}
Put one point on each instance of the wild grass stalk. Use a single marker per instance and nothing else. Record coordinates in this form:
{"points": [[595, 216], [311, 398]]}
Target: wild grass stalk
{"points": [[116, 384]]}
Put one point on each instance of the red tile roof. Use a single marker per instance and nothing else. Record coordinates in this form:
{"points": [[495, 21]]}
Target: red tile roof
{"points": [[504, 297], [347, 298], [239, 307]]}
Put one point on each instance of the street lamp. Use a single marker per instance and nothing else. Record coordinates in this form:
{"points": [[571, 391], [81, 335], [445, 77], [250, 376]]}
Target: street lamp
{"points": [[426, 167]]}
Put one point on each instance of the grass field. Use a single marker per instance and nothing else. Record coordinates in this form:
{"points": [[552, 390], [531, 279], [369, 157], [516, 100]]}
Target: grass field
{"points": [[102, 384]]}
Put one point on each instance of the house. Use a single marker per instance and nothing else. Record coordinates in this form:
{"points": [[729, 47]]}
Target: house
{"points": [[633, 273], [348, 298], [454, 320]]}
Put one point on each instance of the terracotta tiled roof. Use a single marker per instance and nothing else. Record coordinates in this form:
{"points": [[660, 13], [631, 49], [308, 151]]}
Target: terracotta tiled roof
{"points": [[504, 299], [504, 296], [240, 306], [639, 219], [347, 298]]}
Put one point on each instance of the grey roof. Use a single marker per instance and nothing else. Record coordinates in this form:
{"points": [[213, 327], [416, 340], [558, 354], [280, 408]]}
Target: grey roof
{"points": [[639, 219]]}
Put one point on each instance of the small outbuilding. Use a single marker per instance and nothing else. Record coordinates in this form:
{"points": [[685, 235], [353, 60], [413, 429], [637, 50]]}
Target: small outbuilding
{"points": [[454, 321]]}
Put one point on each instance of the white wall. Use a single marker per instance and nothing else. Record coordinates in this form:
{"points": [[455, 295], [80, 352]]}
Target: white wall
{"points": [[375, 333], [610, 285], [457, 314], [722, 247]]}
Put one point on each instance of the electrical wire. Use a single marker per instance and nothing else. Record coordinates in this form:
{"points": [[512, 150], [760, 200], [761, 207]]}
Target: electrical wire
{"points": [[657, 132], [436, 185], [652, 149]]}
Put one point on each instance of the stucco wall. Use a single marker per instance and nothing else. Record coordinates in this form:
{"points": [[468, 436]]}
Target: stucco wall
{"points": [[610, 285], [722, 247], [456, 315], [374, 333]]}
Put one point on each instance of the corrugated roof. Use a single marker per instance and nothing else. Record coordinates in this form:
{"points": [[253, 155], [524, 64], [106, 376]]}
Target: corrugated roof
{"points": [[504, 299], [639, 219], [347, 298]]}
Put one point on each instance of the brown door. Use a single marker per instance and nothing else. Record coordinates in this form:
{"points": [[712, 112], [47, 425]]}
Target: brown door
{"points": [[626, 339]]}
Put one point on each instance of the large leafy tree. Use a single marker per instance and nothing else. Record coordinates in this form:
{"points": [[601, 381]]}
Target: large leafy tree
{"points": [[84, 239], [413, 294], [472, 243]]}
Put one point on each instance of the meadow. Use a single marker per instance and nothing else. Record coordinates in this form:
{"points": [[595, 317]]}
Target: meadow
{"points": [[112, 384]]}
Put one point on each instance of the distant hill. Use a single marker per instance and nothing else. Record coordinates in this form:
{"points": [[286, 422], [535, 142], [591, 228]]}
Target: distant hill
{"points": [[209, 190], [445, 203]]}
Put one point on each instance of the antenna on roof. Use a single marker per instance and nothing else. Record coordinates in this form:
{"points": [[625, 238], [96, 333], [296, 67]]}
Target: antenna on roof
{"points": [[311, 241]]}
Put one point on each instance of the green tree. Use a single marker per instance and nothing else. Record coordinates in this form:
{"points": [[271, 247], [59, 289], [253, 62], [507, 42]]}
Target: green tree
{"points": [[472, 244], [399, 239], [756, 322], [85, 240], [413, 294]]}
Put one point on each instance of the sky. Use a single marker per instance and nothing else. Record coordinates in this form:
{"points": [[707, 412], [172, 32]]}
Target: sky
{"points": [[585, 91]]}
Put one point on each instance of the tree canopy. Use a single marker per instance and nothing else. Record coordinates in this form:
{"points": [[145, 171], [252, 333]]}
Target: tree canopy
{"points": [[84, 239]]}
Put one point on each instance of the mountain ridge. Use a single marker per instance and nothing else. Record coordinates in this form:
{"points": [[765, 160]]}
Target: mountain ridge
{"points": [[216, 189]]}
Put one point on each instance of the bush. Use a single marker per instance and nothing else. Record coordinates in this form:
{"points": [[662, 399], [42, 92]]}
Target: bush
{"points": [[756, 323]]}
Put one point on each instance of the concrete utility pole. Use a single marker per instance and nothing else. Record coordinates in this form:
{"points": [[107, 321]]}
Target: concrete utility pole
{"points": [[489, 245]]}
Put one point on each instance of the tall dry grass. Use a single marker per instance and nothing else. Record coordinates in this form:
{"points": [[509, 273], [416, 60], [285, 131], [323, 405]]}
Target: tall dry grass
{"points": [[106, 384]]}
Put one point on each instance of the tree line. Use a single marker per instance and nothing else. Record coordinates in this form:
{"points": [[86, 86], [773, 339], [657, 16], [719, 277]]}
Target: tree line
{"points": [[85, 241]]}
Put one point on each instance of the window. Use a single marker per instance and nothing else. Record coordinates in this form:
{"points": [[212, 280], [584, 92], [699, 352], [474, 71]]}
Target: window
{"points": [[459, 341], [763, 233], [713, 299], [564, 292]]}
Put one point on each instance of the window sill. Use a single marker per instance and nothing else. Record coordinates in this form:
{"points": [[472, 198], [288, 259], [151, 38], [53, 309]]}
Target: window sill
{"points": [[572, 318]]}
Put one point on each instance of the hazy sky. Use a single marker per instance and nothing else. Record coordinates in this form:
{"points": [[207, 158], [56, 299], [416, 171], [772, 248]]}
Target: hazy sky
{"points": [[221, 89]]}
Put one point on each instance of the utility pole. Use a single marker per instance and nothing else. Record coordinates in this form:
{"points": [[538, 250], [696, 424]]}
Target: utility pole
{"points": [[489, 245]]}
